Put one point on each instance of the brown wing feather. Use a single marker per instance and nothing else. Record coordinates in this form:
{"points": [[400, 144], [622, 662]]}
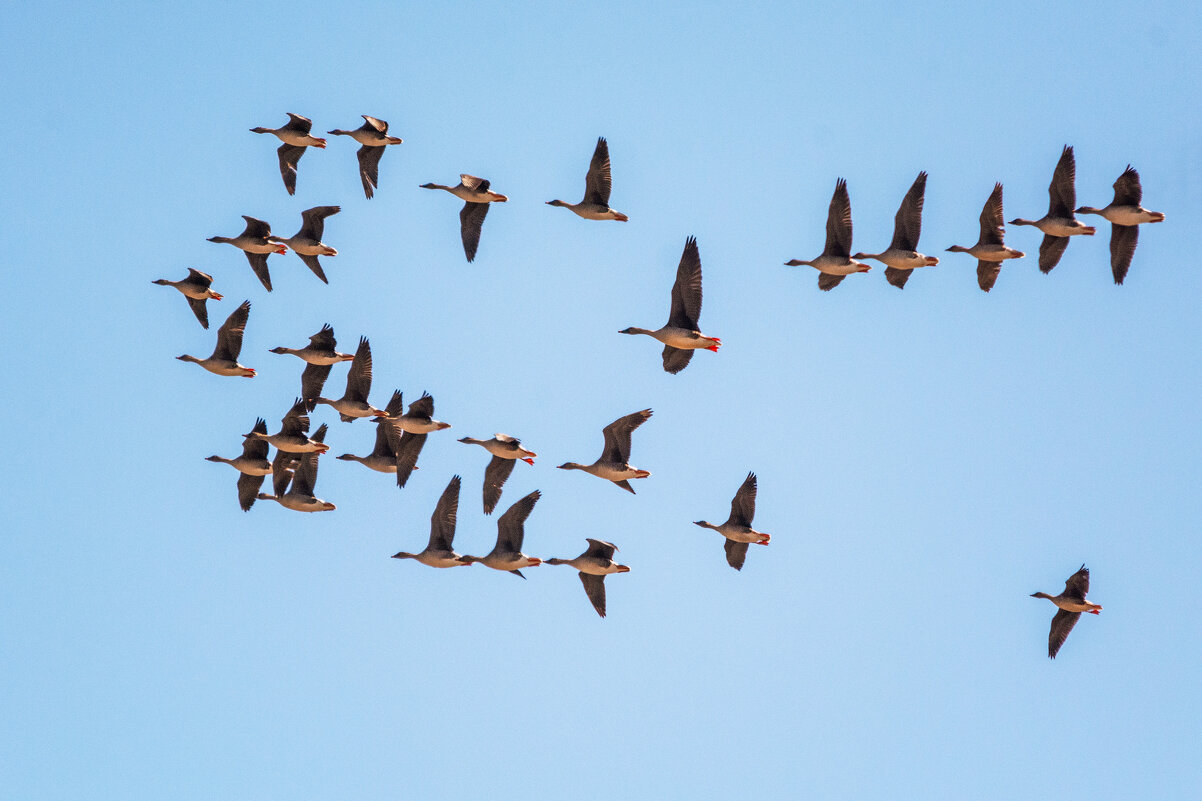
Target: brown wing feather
{"points": [[597, 183], [495, 476], [1123, 239], [594, 588], [229, 336], [991, 219], [736, 553], [686, 291], [838, 223], [1062, 192]]}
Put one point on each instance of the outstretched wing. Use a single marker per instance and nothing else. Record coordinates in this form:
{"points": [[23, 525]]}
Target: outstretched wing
{"points": [[686, 291], [369, 167], [991, 219], [313, 221], [289, 156], [1127, 189], [907, 223], [471, 220], [897, 277], [495, 476], [597, 183], [511, 525], [229, 336], [1123, 239], [594, 588], [408, 448], [1062, 192], [676, 359], [617, 436], [1077, 586], [736, 554], [442, 522], [1050, 251], [742, 507], [1062, 624], [827, 282], [987, 273], [838, 223], [258, 263], [358, 378]]}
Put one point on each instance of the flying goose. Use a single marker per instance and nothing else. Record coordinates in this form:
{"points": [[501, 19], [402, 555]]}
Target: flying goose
{"points": [[195, 289], [319, 356], [836, 262], [680, 336], [307, 243], [1071, 604], [902, 258], [373, 135], [256, 242], [477, 195], [1125, 215], [419, 420], [298, 496], [224, 360], [383, 458], [594, 565], [439, 551], [285, 462], [295, 136], [353, 402], [506, 451], [292, 437], [1059, 224], [597, 184], [990, 250], [612, 464], [737, 529], [252, 465], [507, 553]]}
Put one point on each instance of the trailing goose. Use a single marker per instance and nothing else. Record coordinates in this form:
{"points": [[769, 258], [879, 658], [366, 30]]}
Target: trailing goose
{"points": [[902, 258], [373, 135], [507, 554], [439, 550], [295, 136], [298, 496], [256, 242], [307, 243], [1059, 224], [224, 360], [506, 451], [990, 250], [195, 289], [477, 195], [1071, 603], [292, 437], [353, 403], [597, 185], [737, 529], [680, 336], [1125, 215], [383, 458], [252, 465], [319, 356], [835, 263], [612, 464], [594, 565]]}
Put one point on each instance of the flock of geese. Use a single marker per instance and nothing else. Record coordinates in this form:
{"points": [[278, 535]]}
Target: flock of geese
{"points": [[401, 432]]}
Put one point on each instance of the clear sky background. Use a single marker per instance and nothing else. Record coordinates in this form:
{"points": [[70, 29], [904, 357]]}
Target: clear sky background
{"points": [[927, 458]]}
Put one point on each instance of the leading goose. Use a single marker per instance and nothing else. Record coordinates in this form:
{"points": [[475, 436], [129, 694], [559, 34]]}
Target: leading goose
{"points": [[224, 360], [1059, 224], [680, 336], [295, 136], [506, 451], [594, 565], [737, 529], [1071, 604], [597, 184], [477, 195], [835, 263], [612, 464], [507, 554], [1125, 215], [307, 243], [373, 135], [353, 403], [196, 290], [252, 465], [439, 550], [299, 495], [990, 250], [256, 242], [902, 258]]}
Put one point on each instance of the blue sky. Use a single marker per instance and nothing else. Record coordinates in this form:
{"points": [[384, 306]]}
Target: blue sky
{"points": [[926, 458]]}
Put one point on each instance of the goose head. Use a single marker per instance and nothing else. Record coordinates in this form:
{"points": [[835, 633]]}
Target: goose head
{"points": [[571, 466], [556, 203]]}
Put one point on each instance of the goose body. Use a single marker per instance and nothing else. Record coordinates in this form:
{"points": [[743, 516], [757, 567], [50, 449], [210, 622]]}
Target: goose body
{"points": [[613, 464], [1070, 604], [594, 565], [295, 478], [224, 360], [506, 451], [419, 419], [196, 289], [373, 136], [307, 242], [1125, 214], [353, 404], [252, 466], [477, 194], [1059, 223], [293, 436], [440, 551], [319, 356], [507, 554], [737, 529], [256, 241], [990, 250], [902, 258], [296, 137], [835, 263], [597, 185], [680, 336]]}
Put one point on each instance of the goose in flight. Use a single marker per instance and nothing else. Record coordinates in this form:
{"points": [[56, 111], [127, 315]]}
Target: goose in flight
{"points": [[1059, 224], [594, 565], [373, 136], [506, 452], [252, 465], [612, 464], [1125, 215], [507, 554], [224, 360], [990, 250], [294, 489], [353, 403], [835, 263], [597, 184], [319, 356], [293, 436], [307, 243], [737, 529], [477, 196], [1071, 603], [196, 290], [439, 551], [256, 241], [902, 258], [295, 136]]}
